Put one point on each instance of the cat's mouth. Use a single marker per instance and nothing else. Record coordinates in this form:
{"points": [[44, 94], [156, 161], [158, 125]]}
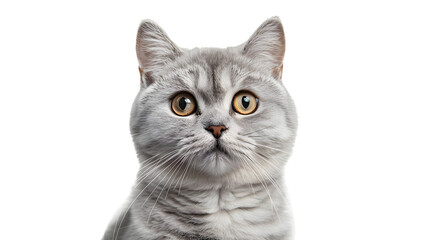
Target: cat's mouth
{"points": [[218, 148]]}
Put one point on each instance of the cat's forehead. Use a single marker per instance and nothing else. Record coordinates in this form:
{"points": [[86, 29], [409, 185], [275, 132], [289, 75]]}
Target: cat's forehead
{"points": [[212, 73]]}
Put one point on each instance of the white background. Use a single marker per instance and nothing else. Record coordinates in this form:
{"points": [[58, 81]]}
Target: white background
{"points": [[358, 71]]}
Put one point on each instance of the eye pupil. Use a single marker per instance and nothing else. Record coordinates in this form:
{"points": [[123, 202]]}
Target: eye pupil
{"points": [[245, 101], [182, 103]]}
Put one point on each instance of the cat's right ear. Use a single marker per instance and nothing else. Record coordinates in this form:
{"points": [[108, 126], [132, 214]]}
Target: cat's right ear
{"points": [[154, 50]]}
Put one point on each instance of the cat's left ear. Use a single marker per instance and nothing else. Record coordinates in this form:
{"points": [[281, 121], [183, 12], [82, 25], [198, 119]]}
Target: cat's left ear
{"points": [[154, 49], [267, 46]]}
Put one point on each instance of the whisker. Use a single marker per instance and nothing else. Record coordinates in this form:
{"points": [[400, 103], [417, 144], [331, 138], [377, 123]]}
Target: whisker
{"points": [[267, 175], [151, 163], [175, 176], [260, 145], [248, 182], [135, 186], [183, 177], [150, 213], [270, 178], [150, 171], [264, 185], [131, 204], [144, 168], [186, 169], [261, 129]]}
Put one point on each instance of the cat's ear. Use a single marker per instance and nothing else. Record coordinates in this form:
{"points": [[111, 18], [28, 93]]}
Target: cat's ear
{"points": [[154, 49], [267, 46]]}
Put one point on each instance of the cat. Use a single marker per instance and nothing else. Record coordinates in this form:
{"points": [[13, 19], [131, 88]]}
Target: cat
{"points": [[212, 129]]}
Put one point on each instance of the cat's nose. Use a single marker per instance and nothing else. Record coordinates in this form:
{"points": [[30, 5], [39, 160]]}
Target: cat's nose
{"points": [[216, 130]]}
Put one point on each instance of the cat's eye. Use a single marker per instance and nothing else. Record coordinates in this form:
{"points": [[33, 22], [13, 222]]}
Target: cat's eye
{"points": [[183, 104], [245, 102]]}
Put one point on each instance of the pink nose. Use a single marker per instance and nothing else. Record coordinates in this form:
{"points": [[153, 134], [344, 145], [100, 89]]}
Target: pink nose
{"points": [[216, 130]]}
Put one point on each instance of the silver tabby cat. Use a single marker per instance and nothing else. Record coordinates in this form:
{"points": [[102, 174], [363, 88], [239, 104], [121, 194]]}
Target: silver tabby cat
{"points": [[213, 129]]}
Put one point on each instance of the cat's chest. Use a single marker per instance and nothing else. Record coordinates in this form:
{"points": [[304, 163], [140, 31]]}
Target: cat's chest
{"points": [[228, 214]]}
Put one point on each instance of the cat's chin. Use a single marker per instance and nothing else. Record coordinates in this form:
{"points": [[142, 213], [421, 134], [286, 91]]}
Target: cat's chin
{"points": [[215, 162], [216, 155]]}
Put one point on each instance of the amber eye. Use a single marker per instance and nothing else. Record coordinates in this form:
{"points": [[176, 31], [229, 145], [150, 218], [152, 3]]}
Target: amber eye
{"points": [[245, 102], [183, 104]]}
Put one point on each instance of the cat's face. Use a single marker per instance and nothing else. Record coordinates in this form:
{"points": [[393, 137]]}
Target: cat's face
{"points": [[213, 111]]}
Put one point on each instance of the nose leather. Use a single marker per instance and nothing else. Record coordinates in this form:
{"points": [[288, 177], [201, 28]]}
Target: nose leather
{"points": [[216, 130]]}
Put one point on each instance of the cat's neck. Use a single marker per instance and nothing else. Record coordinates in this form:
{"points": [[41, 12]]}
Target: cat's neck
{"points": [[221, 209]]}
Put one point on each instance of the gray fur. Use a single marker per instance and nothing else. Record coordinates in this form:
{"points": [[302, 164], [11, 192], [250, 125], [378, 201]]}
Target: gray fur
{"points": [[185, 189]]}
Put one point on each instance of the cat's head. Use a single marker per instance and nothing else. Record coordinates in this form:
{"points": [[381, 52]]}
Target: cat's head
{"points": [[213, 111]]}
